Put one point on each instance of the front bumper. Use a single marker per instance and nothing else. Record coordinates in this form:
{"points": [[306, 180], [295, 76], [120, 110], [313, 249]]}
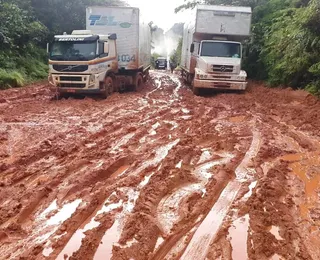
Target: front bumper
{"points": [[82, 86], [79, 91], [218, 84]]}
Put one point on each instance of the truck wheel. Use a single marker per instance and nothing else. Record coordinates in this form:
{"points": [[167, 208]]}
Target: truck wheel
{"points": [[196, 91], [146, 76], [59, 96], [138, 82], [189, 79], [108, 87]]}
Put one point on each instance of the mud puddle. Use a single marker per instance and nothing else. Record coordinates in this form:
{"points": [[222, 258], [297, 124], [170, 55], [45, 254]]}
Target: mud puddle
{"points": [[160, 174]]}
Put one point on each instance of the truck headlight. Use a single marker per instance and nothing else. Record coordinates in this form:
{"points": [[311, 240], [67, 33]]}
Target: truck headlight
{"points": [[92, 79], [50, 78], [241, 78]]}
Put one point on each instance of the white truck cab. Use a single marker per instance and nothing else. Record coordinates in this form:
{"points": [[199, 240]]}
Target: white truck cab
{"points": [[212, 49], [113, 53], [79, 63], [219, 63]]}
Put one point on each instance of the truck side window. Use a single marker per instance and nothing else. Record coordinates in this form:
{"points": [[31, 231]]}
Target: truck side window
{"points": [[101, 49], [197, 47]]}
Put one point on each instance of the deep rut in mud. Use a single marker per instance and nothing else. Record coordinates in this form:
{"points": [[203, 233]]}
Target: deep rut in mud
{"points": [[160, 174]]}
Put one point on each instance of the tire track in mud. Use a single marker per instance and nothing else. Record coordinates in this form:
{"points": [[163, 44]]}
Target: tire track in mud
{"points": [[148, 175], [206, 232], [114, 150]]}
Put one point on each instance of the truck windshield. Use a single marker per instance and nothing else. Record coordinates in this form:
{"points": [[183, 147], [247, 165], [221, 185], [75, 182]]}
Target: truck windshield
{"points": [[221, 49], [73, 51]]}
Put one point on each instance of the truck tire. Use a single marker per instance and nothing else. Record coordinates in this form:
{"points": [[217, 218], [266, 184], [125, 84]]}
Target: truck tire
{"points": [[137, 82], [189, 79], [146, 76], [196, 91], [108, 86], [59, 96]]}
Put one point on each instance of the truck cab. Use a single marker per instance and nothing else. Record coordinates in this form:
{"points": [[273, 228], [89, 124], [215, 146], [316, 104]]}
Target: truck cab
{"points": [[211, 48], [81, 63], [218, 65]]}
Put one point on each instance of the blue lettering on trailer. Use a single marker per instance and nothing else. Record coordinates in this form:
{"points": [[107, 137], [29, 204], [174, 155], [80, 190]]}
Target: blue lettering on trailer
{"points": [[100, 20], [94, 18]]}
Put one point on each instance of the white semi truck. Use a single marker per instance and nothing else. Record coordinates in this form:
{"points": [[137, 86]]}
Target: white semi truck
{"points": [[212, 50], [113, 53]]}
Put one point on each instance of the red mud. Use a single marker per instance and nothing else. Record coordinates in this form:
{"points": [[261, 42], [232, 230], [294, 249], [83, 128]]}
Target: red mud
{"points": [[160, 174]]}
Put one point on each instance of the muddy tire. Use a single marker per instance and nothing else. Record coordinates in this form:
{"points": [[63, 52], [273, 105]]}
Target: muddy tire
{"points": [[196, 91], [108, 87], [189, 79], [146, 76], [138, 82], [59, 96]]}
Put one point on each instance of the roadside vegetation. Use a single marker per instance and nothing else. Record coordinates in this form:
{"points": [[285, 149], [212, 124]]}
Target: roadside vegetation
{"points": [[175, 57]]}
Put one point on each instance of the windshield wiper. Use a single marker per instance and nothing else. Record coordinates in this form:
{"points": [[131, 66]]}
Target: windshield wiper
{"points": [[57, 57]]}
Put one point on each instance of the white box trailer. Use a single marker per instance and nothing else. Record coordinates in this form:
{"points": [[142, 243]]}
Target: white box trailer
{"points": [[114, 52], [209, 39], [223, 20], [133, 33]]}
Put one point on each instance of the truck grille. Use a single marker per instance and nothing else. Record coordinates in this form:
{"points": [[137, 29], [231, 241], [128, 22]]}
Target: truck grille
{"points": [[70, 68], [67, 78], [222, 68], [71, 85]]}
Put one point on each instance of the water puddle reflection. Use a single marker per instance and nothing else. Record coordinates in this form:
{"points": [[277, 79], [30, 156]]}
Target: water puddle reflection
{"points": [[75, 242], [64, 213], [251, 187], [275, 231], [121, 171], [210, 226], [238, 235], [307, 167]]}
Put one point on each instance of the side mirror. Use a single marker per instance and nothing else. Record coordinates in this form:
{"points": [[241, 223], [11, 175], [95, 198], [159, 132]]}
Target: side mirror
{"points": [[48, 47], [192, 48], [106, 47]]}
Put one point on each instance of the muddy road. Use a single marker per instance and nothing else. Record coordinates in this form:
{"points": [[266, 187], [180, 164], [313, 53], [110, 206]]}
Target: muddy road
{"points": [[160, 174]]}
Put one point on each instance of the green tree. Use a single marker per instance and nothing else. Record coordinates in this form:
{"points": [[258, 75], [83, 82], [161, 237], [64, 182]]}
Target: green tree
{"points": [[176, 55]]}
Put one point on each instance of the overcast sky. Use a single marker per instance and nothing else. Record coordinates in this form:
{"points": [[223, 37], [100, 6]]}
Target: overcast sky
{"points": [[161, 12]]}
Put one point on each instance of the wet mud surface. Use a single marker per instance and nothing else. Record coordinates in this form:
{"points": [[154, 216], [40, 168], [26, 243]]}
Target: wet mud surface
{"points": [[160, 174]]}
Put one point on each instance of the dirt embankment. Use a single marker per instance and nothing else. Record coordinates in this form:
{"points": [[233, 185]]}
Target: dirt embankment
{"points": [[160, 174]]}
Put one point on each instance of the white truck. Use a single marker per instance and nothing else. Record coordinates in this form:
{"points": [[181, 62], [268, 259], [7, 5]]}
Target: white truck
{"points": [[212, 50], [113, 53]]}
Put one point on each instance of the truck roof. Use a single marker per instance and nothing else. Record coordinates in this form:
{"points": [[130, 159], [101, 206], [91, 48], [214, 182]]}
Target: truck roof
{"points": [[84, 37], [225, 8], [113, 7]]}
